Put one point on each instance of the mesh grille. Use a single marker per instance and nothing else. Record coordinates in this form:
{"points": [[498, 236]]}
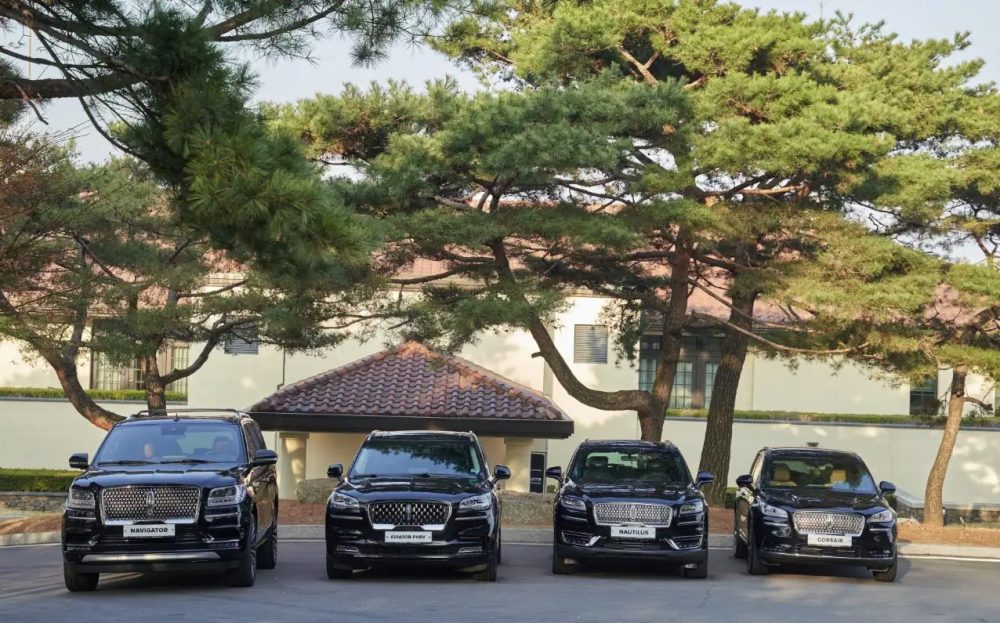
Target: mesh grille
{"points": [[843, 524], [129, 504], [409, 513], [610, 513]]}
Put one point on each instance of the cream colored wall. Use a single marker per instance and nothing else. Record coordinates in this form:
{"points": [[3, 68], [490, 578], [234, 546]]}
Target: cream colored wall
{"points": [[19, 369], [43, 433], [326, 448]]}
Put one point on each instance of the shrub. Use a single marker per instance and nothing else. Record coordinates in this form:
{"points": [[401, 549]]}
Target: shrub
{"points": [[96, 394], [36, 480], [854, 418]]}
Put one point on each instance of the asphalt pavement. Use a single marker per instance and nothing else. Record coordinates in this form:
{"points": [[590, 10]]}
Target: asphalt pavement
{"points": [[31, 590]]}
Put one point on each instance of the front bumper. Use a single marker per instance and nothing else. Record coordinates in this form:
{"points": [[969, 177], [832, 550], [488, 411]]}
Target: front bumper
{"points": [[578, 537], [874, 548]]}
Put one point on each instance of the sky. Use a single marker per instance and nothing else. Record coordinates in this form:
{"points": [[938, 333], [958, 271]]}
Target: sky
{"points": [[290, 80]]}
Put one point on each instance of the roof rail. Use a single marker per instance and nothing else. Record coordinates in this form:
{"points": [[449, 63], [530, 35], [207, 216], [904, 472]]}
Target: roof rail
{"points": [[188, 412]]}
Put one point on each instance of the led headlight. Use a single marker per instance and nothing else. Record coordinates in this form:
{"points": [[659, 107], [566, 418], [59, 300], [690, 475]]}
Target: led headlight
{"points": [[773, 511], [226, 496], [80, 499], [476, 503], [692, 507], [573, 504], [343, 502], [882, 516]]}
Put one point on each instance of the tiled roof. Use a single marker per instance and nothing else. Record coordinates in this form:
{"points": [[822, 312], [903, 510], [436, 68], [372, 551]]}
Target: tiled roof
{"points": [[412, 381]]}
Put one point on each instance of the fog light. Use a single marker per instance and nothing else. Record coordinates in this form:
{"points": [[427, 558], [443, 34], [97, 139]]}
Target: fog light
{"points": [[478, 549], [347, 549]]}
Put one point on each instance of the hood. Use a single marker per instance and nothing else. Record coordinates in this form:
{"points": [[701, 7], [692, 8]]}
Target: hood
{"points": [[639, 492], [388, 488], [824, 499], [204, 475]]}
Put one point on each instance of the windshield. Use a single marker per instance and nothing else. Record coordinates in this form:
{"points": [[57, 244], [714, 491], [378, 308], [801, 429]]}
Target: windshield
{"points": [[172, 442], [652, 466], [393, 456], [816, 473]]}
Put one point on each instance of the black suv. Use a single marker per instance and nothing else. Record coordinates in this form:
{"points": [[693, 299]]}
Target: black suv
{"points": [[415, 497], [815, 506], [170, 492], [630, 500]]}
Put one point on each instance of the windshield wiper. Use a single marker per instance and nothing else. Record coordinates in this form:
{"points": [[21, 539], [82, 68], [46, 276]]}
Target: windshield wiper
{"points": [[126, 462], [192, 461]]}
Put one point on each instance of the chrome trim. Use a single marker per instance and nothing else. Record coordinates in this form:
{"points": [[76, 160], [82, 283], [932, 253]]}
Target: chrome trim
{"points": [[850, 524], [660, 508], [158, 557], [431, 527], [127, 522], [339, 516], [674, 545], [387, 526]]}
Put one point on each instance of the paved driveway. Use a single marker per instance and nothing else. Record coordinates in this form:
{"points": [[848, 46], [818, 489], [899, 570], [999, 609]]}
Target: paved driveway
{"points": [[31, 590]]}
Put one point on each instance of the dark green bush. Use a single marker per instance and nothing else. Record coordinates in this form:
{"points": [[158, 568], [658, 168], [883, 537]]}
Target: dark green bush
{"points": [[855, 418], [96, 394], [35, 480]]}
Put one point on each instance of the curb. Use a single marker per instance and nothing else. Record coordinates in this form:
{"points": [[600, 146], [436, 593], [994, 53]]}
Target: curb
{"points": [[543, 536]]}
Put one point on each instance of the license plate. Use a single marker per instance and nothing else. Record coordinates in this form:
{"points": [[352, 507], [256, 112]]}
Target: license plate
{"points": [[149, 531], [408, 537], [633, 532], [830, 540]]}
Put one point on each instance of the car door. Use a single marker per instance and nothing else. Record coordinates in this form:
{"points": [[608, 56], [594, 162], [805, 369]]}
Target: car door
{"points": [[269, 477], [256, 482], [745, 497]]}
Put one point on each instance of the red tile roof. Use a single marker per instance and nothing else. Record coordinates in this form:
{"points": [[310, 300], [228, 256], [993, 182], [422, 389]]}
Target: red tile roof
{"points": [[412, 381]]}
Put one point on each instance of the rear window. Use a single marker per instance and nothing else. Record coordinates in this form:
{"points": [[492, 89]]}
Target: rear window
{"points": [[173, 441]]}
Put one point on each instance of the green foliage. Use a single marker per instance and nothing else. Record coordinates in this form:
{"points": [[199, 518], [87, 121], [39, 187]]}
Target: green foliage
{"points": [[36, 480], [131, 395], [845, 418]]}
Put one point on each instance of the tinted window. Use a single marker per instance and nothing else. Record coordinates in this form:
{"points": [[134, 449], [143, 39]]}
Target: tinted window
{"points": [[410, 457], [816, 472], [646, 465], [172, 441]]}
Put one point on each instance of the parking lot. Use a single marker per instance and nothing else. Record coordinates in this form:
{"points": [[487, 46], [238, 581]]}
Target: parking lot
{"points": [[31, 589]]}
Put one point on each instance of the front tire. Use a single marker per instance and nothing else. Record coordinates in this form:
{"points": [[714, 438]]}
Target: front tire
{"points": [[739, 545], [559, 566], [246, 573], [267, 554], [79, 582], [489, 574], [754, 564], [887, 575]]}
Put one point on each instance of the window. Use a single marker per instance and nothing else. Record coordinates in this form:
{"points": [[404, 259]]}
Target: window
{"points": [[695, 373], [924, 398], [104, 375], [243, 341], [590, 343]]}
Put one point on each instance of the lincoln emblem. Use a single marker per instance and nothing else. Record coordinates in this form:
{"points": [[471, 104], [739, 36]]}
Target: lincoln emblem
{"points": [[150, 502]]}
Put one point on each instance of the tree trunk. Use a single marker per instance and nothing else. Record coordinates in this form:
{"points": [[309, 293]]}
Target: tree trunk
{"points": [[717, 448], [153, 384], [934, 495], [70, 381]]}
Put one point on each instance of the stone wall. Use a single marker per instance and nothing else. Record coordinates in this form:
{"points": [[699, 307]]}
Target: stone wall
{"points": [[35, 502]]}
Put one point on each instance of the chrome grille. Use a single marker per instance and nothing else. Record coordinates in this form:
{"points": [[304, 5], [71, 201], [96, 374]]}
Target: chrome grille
{"points": [[818, 522], [614, 513], [388, 515], [125, 505]]}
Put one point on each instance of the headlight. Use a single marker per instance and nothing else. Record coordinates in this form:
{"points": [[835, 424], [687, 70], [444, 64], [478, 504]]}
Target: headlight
{"points": [[882, 516], [343, 502], [80, 499], [226, 496], [477, 503], [692, 507], [773, 511], [573, 504]]}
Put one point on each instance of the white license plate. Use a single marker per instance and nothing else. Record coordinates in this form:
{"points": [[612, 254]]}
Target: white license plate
{"points": [[408, 537], [633, 532], [149, 531], [830, 540]]}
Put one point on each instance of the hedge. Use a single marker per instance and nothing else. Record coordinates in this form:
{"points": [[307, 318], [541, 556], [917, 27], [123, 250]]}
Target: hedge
{"points": [[96, 394], [855, 418], [36, 480]]}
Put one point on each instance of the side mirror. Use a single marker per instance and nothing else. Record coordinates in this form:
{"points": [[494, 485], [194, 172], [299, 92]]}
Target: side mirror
{"points": [[886, 487], [80, 460], [554, 472], [705, 478], [264, 457], [335, 471], [501, 472], [744, 481]]}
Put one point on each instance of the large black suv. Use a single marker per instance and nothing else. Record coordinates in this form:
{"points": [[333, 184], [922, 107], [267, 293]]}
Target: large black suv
{"points": [[630, 500], [415, 497], [814, 506], [170, 492]]}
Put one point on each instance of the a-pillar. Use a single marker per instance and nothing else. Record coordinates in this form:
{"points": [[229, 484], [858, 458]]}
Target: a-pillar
{"points": [[291, 463], [519, 461]]}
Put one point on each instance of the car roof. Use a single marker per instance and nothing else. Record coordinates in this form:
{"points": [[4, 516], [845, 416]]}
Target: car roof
{"points": [[421, 433], [150, 419], [809, 450], [627, 443]]}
